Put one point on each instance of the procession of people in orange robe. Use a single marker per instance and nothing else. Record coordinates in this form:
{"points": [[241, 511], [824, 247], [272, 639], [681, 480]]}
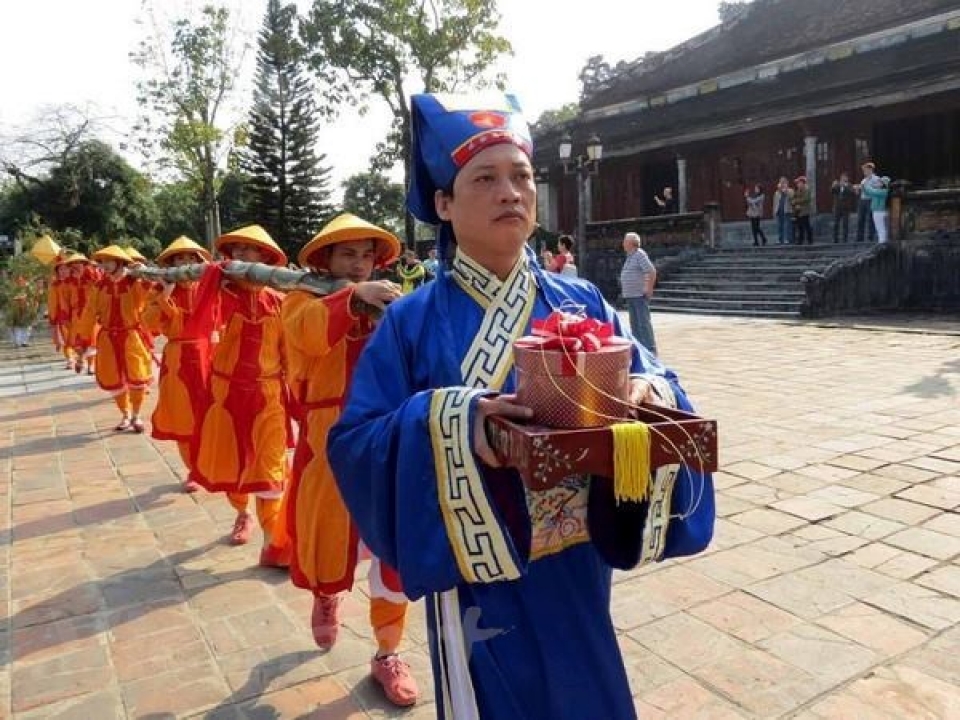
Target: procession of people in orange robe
{"points": [[247, 373]]}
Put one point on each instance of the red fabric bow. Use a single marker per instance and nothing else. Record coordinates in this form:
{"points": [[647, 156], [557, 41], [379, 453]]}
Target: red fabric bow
{"points": [[573, 333]]}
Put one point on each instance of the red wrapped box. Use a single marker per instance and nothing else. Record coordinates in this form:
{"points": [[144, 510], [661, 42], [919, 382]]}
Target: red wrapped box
{"points": [[545, 456], [573, 372]]}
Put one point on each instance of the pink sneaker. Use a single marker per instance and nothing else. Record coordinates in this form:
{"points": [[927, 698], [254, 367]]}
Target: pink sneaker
{"points": [[137, 425], [123, 425], [191, 486], [394, 677], [325, 620], [242, 529]]}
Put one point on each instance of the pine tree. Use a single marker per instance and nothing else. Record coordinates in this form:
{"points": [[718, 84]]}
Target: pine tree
{"points": [[289, 186]]}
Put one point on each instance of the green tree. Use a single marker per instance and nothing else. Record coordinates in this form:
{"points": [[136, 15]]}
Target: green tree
{"points": [[234, 199], [381, 47], [552, 118], [372, 197], [178, 211], [188, 81], [289, 185], [91, 190]]}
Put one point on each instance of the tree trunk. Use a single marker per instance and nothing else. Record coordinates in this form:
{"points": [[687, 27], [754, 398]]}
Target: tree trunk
{"points": [[409, 224]]}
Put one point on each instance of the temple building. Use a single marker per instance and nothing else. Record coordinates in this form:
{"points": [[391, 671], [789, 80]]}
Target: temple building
{"points": [[785, 88]]}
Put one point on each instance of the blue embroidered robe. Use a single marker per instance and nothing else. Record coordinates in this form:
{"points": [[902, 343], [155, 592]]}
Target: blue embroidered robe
{"points": [[517, 583]]}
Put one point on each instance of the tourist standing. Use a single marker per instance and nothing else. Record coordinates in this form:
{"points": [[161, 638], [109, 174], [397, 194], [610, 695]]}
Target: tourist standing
{"points": [[755, 199], [637, 279]]}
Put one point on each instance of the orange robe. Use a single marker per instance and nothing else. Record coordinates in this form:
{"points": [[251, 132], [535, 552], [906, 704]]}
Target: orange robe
{"points": [[82, 290], [124, 356], [323, 340], [184, 385], [59, 303], [244, 434]]}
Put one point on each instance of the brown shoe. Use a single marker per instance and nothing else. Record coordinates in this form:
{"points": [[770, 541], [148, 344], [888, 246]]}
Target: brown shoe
{"points": [[325, 620], [395, 678]]}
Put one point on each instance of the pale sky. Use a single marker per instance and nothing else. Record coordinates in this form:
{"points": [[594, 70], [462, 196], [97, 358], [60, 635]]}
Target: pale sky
{"points": [[64, 51]]}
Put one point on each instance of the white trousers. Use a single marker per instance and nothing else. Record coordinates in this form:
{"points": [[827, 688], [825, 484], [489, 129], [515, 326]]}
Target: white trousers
{"points": [[21, 335], [880, 223]]}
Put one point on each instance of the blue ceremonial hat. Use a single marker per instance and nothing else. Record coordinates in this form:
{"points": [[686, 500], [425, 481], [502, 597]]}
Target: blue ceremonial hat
{"points": [[447, 131]]}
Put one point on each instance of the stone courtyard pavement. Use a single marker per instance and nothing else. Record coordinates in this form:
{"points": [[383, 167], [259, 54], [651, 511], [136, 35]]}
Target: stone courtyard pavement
{"points": [[831, 590]]}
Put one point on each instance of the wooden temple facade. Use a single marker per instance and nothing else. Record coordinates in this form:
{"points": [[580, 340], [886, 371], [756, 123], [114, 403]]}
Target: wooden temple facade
{"points": [[812, 88]]}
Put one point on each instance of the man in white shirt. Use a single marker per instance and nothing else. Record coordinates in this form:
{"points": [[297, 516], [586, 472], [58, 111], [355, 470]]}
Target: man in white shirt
{"points": [[637, 279]]}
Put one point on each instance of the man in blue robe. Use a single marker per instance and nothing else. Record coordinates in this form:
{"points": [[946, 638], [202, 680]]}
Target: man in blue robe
{"points": [[517, 582]]}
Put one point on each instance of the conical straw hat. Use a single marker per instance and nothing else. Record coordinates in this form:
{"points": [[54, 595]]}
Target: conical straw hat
{"points": [[348, 228], [112, 252], [182, 244], [256, 236], [45, 250], [135, 254]]}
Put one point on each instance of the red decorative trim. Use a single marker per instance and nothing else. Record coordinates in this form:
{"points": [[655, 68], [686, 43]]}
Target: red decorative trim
{"points": [[481, 141]]}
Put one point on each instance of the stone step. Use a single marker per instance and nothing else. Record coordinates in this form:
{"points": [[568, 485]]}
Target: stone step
{"points": [[790, 275], [726, 283], [785, 315], [761, 304], [734, 263], [731, 294], [762, 281], [829, 247]]}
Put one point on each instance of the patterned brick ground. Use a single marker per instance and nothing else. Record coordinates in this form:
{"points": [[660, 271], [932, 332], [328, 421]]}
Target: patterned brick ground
{"points": [[832, 590]]}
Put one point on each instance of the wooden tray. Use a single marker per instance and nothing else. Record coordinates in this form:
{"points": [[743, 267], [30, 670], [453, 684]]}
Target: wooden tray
{"points": [[545, 456]]}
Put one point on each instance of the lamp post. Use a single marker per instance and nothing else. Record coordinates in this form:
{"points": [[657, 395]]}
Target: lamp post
{"points": [[583, 166]]}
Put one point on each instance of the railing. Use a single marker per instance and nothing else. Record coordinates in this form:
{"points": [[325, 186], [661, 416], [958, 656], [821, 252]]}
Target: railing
{"points": [[918, 270], [923, 212]]}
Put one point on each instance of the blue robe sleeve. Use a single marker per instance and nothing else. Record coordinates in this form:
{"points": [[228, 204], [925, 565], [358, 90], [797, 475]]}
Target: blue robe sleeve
{"points": [[404, 464]]}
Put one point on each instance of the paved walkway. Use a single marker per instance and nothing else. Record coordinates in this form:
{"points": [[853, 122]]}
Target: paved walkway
{"points": [[831, 591]]}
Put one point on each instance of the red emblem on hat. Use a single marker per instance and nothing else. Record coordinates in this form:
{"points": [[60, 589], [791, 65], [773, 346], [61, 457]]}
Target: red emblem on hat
{"points": [[487, 119]]}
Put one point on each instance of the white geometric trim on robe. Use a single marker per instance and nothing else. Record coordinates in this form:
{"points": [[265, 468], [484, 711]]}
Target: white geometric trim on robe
{"points": [[661, 488], [476, 537], [507, 308], [478, 541], [456, 685], [658, 514]]}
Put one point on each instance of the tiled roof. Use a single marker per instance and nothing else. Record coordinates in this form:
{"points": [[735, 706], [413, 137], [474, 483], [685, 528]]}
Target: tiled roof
{"points": [[925, 66], [767, 30]]}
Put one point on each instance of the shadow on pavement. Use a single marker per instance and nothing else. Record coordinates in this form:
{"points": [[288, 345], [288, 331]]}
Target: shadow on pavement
{"points": [[936, 385], [44, 412], [95, 606], [58, 443], [91, 515]]}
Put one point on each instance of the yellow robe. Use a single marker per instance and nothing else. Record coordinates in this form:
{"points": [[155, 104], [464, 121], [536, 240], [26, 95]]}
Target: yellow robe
{"points": [[323, 340], [184, 385], [244, 434], [124, 352]]}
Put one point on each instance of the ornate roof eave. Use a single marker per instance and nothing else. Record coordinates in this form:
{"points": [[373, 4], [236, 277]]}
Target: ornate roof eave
{"points": [[889, 37], [590, 121]]}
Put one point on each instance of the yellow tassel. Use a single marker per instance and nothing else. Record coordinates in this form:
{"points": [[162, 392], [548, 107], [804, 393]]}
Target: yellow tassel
{"points": [[631, 461]]}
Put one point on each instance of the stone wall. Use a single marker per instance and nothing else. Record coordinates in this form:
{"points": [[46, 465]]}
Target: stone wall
{"points": [[918, 270]]}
